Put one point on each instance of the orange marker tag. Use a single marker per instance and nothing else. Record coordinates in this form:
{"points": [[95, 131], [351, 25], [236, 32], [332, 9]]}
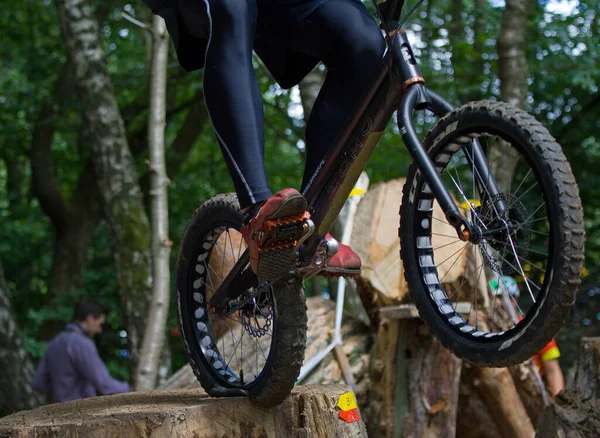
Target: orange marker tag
{"points": [[347, 401], [350, 416]]}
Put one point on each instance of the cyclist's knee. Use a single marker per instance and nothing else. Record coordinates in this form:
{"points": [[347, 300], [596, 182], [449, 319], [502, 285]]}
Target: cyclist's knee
{"points": [[369, 46], [232, 12]]}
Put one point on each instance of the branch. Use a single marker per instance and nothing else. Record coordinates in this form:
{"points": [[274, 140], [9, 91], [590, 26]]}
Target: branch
{"points": [[136, 22], [44, 183], [187, 136], [137, 138]]}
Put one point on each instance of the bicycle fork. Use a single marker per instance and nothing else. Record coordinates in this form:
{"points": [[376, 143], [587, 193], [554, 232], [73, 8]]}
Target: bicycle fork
{"points": [[417, 96]]}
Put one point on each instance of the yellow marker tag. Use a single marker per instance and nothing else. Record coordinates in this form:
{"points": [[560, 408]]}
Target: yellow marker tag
{"points": [[347, 401], [357, 192], [467, 205]]}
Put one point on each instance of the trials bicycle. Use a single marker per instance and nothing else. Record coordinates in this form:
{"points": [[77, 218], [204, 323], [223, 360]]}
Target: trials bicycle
{"points": [[510, 205]]}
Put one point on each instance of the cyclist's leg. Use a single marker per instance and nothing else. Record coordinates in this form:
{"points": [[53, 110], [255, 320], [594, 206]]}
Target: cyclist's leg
{"points": [[346, 38], [233, 96]]}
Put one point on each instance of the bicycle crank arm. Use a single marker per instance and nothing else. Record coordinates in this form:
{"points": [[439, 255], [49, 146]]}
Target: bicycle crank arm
{"points": [[417, 96]]}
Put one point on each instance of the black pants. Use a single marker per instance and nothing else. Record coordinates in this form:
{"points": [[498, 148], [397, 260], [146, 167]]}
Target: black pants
{"points": [[341, 33]]}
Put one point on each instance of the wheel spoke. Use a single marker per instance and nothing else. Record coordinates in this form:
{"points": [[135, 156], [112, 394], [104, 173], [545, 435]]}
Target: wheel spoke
{"points": [[462, 250]]}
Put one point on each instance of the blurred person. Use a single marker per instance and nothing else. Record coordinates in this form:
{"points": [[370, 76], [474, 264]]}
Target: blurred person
{"points": [[546, 360], [71, 369]]}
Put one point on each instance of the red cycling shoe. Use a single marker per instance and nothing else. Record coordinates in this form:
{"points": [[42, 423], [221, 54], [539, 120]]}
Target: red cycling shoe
{"points": [[345, 263], [273, 232]]}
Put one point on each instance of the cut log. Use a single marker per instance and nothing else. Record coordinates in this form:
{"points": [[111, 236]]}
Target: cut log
{"points": [[414, 390], [357, 343], [311, 411], [375, 240], [577, 410]]}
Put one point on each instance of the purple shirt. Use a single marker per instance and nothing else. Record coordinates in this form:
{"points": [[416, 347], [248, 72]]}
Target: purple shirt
{"points": [[72, 369]]}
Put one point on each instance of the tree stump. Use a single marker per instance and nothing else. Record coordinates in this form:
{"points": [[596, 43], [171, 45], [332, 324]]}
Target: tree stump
{"points": [[311, 411], [576, 413]]}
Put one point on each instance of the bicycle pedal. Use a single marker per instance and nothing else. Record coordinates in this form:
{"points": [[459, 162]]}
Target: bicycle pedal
{"points": [[325, 251], [282, 233]]}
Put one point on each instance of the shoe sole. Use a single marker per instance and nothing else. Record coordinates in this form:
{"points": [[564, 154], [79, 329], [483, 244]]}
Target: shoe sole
{"points": [[276, 264], [338, 272]]}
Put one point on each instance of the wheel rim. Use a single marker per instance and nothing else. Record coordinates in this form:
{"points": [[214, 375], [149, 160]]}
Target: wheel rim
{"points": [[472, 284], [235, 347]]}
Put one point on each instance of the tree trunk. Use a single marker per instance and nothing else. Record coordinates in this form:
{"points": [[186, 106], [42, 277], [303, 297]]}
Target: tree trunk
{"points": [[576, 413], [74, 238], [512, 59], [512, 70], [73, 222], [15, 364], [309, 90], [161, 245], [113, 164]]}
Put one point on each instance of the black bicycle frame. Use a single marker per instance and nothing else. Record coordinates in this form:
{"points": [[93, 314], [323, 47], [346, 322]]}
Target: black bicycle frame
{"points": [[398, 86]]}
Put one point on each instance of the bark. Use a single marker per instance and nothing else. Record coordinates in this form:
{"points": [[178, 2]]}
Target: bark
{"points": [[161, 245], [15, 363], [74, 221], [44, 183], [474, 418], [577, 410], [512, 60], [512, 70], [414, 383], [529, 387], [497, 390], [310, 411], [113, 164]]}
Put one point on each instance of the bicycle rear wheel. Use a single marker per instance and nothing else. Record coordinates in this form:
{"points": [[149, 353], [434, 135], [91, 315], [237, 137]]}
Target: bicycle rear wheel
{"points": [[256, 347], [500, 299]]}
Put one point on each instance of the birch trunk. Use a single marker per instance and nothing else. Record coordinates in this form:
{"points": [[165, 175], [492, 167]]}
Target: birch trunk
{"points": [[113, 164], [161, 245], [15, 364]]}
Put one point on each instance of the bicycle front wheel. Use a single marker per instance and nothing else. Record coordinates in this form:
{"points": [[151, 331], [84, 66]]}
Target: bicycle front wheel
{"points": [[500, 298]]}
